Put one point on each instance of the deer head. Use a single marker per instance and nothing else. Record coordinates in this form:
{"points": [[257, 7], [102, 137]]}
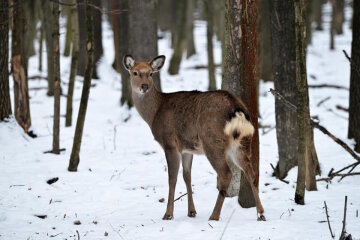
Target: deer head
{"points": [[141, 72]]}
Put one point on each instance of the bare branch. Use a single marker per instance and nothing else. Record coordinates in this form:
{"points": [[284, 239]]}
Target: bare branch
{"points": [[327, 217]]}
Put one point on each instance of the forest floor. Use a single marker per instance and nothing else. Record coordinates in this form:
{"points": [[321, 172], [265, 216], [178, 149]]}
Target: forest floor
{"points": [[122, 173]]}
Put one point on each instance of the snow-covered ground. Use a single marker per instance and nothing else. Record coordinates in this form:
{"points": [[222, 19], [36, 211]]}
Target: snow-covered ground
{"points": [[122, 173]]}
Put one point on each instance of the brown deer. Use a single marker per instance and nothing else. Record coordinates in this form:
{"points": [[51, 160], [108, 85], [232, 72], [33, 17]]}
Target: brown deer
{"points": [[214, 123]]}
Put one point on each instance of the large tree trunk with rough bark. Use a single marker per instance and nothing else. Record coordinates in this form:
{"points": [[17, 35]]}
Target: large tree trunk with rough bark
{"points": [[249, 92], [73, 68], [231, 72], [209, 12], [143, 34], [354, 103], [56, 35], [121, 40], [75, 153], [5, 103], [19, 67], [284, 66]]}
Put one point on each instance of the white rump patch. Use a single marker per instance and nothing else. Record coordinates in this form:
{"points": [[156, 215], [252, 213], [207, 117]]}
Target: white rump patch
{"points": [[240, 125]]}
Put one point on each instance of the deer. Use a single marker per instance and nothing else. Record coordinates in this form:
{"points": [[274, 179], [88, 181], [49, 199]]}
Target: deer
{"points": [[214, 123]]}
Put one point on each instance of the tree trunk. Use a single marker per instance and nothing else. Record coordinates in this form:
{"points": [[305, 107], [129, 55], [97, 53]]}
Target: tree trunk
{"points": [[249, 93], [30, 28], [98, 47], [74, 157], [41, 40], [265, 71], [308, 20], [338, 8], [74, 60], [56, 34], [5, 103], [143, 34], [190, 45], [68, 36], [317, 14], [121, 33], [231, 71], [19, 67], [354, 103], [209, 12], [179, 37], [47, 20], [82, 38], [284, 66]]}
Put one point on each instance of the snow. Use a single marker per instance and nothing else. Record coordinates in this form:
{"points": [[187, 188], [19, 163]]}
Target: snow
{"points": [[123, 174]]}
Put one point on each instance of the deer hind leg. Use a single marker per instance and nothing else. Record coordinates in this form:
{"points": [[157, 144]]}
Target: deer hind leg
{"points": [[217, 159], [173, 162], [243, 161], [186, 163]]}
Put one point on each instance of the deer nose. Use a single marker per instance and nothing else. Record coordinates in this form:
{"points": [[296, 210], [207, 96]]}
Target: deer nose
{"points": [[144, 87]]}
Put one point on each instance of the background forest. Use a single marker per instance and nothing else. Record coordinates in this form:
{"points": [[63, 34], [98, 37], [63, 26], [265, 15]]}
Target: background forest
{"points": [[78, 162]]}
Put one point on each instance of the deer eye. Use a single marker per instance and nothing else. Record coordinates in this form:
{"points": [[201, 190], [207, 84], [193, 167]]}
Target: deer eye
{"points": [[150, 74], [135, 73]]}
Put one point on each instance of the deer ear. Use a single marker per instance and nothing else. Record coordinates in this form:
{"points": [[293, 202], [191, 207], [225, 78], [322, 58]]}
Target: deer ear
{"points": [[128, 62], [157, 63]]}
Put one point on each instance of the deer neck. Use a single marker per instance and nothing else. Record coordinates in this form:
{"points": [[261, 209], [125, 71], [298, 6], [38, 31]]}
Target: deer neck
{"points": [[148, 104]]}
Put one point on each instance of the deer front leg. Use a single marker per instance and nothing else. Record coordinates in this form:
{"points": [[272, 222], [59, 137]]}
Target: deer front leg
{"points": [[186, 163], [173, 162]]}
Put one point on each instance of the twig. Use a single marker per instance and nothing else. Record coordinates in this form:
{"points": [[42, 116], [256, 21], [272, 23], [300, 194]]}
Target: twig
{"points": [[222, 234], [342, 108], [327, 217], [16, 185], [77, 232], [343, 231], [283, 180], [352, 64], [51, 151], [180, 197], [55, 235], [322, 101], [328, 86], [338, 175]]}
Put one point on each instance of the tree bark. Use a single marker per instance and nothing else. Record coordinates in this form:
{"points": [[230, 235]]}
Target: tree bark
{"points": [[121, 33], [74, 157], [82, 38], [73, 68], [231, 71], [56, 35], [69, 28], [47, 21], [41, 40], [179, 37], [143, 34], [98, 47], [5, 103], [249, 93], [209, 35], [19, 67], [317, 14], [265, 71], [354, 100], [190, 44], [284, 66]]}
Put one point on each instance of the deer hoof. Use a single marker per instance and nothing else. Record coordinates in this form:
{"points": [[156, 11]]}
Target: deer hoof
{"points": [[261, 218], [168, 217], [192, 214]]}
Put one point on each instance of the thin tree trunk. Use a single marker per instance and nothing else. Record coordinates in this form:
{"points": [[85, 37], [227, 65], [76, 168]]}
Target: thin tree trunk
{"points": [[68, 36], [209, 35], [5, 103], [308, 20], [56, 34], [301, 100], [339, 15], [354, 100], [143, 34], [30, 28], [73, 69], [82, 38], [317, 14], [19, 68], [190, 44], [74, 157], [179, 37], [249, 92], [41, 40], [98, 47], [284, 66], [265, 71], [231, 71], [47, 20]]}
